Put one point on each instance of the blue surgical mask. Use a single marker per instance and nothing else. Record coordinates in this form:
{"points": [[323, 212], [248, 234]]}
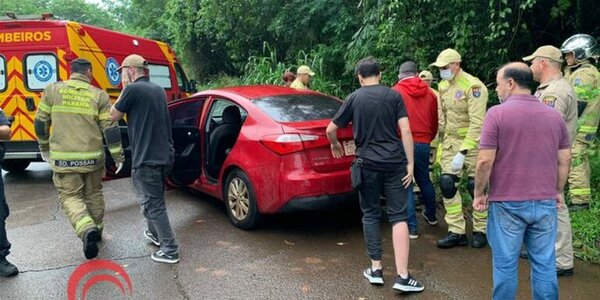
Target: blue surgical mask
{"points": [[446, 74]]}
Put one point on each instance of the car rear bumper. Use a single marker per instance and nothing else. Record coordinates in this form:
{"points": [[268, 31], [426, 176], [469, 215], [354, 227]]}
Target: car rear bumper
{"points": [[322, 202]]}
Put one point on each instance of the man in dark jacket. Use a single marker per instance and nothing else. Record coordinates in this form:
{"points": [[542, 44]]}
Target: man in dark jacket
{"points": [[421, 105]]}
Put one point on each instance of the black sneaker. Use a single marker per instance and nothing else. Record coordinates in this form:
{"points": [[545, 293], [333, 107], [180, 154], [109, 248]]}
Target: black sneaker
{"points": [[578, 207], [90, 243], [149, 236], [160, 256], [407, 285], [564, 272], [479, 240], [413, 234], [431, 222], [452, 240], [375, 277], [7, 269]]}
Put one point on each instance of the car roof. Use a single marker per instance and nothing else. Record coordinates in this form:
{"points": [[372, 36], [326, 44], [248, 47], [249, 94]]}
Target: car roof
{"points": [[258, 91]]}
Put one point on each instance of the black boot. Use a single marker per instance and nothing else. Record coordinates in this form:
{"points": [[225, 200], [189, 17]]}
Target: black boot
{"points": [[6, 268], [90, 243], [452, 240], [479, 240]]}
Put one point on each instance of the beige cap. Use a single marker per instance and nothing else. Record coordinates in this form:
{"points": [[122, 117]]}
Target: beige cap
{"points": [[446, 57], [134, 60], [549, 52], [426, 75], [305, 70]]}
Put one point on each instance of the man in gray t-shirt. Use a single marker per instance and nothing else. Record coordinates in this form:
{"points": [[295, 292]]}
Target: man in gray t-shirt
{"points": [[149, 129]]}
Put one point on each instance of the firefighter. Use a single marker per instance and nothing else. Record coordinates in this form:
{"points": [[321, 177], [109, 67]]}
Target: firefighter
{"points": [[555, 91], [303, 77], [464, 100], [79, 115], [583, 77]]}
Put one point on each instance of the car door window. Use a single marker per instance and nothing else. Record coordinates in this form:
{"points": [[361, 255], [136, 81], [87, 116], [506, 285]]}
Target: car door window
{"points": [[215, 117], [186, 114], [41, 70], [2, 74]]}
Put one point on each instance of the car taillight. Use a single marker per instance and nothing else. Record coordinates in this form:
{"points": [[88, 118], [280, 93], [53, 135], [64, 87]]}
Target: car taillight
{"points": [[290, 143]]}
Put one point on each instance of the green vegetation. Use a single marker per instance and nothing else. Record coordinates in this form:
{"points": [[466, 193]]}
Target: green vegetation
{"points": [[231, 42]]}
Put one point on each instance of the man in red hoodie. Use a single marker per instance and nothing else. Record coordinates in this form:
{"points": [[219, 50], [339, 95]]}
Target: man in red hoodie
{"points": [[421, 105]]}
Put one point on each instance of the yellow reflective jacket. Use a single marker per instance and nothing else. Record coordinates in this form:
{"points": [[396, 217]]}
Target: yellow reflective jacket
{"points": [[464, 102], [585, 79], [79, 116]]}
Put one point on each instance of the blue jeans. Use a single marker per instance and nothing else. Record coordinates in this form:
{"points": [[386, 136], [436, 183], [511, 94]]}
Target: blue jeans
{"points": [[421, 172], [373, 182], [534, 222]]}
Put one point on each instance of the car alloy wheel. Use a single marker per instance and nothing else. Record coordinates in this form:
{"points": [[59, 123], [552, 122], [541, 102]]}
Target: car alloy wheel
{"points": [[238, 198]]}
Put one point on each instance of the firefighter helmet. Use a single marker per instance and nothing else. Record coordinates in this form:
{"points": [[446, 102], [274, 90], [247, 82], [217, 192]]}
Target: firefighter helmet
{"points": [[583, 46]]}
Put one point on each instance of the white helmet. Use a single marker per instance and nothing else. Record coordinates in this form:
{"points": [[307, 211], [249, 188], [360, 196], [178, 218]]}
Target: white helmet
{"points": [[583, 46]]}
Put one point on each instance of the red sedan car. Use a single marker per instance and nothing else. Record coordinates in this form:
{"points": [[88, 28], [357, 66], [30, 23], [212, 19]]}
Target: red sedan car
{"points": [[261, 149]]}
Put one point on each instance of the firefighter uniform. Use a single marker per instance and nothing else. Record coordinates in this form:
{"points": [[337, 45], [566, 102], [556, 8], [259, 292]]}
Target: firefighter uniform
{"points": [[79, 116], [558, 93], [583, 77], [463, 102]]}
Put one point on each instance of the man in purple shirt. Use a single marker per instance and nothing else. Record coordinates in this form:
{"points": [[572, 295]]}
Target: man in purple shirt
{"points": [[524, 155]]}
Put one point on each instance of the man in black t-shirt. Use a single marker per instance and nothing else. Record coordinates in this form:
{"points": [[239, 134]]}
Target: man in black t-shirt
{"points": [[149, 128], [387, 163]]}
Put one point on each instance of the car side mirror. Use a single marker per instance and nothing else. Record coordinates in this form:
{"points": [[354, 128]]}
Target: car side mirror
{"points": [[193, 88]]}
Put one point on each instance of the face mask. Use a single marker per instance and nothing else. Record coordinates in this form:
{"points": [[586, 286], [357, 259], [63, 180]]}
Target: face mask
{"points": [[446, 74]]}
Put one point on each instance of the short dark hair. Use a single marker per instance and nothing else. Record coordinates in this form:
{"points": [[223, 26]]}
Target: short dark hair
{"points": [[367, 67], [80, 65], [523, 76]]}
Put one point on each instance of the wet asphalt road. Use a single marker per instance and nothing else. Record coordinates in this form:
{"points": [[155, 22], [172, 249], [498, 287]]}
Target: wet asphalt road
{"points": [[295, 256]]}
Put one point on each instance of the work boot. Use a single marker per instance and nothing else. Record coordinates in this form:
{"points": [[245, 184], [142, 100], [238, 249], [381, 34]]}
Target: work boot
{"points": [[452, 240], [578, 207], [564, 272], [90, 243], [479, 240], [6, 268]]}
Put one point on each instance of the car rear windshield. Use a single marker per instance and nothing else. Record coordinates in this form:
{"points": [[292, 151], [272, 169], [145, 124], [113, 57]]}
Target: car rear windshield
{"points": [[298, 108]]}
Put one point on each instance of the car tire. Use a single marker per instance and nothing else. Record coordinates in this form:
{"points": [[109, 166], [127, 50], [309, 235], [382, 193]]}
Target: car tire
{"points": [[240, 200], [15, 165]]}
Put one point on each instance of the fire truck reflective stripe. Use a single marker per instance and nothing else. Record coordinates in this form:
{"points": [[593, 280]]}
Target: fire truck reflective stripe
{"points": [[44, 107], [73, 110], [60, 155]]}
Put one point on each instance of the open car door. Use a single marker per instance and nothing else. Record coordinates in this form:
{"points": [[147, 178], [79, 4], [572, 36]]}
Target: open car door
{"points": [[185, 115]]}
